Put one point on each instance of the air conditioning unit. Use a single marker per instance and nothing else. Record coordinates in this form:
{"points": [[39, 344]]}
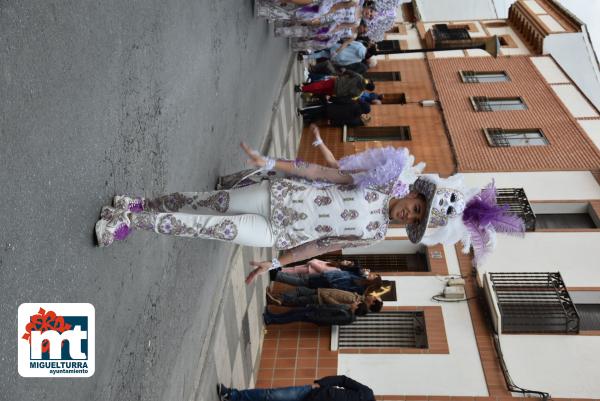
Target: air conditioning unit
{"points": [[428, 103]]}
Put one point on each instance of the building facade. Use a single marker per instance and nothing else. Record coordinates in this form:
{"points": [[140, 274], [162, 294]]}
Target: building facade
{"points": [[529, 323]]}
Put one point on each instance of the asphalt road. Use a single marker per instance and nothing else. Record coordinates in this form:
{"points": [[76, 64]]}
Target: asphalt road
{"points": [[98, 98]]}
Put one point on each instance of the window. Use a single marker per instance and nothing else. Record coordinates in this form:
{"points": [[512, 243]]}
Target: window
{"points": [[590, 316], [384, 75], [363, 134], [483, 76], [482, 103], [388, 329], [564, 220], [507, 41], [534, 303], [499, 137], [394, 98], [588, 308], [570, 215]]}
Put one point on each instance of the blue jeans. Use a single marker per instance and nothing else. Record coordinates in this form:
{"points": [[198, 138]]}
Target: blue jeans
{"points": [[297, 393], [298, 280]]}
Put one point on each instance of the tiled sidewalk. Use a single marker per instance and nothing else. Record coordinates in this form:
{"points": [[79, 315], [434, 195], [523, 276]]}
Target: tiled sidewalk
{"points": [[231, 355]]}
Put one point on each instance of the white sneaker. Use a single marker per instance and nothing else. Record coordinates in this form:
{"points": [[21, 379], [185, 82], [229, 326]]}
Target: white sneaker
{"points": [[114, 225]]}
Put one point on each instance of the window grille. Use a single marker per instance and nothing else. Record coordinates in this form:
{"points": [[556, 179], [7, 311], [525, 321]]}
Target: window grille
{"points": [[565, 220], [524, 137], [534, 303], [484, 76], [384, 76], [518, 204], [363, 134], [389, 329], [482, 103]]}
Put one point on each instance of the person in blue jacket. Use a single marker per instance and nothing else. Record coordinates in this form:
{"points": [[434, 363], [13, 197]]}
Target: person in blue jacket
{"points": [[330, 388], [340, 279]]}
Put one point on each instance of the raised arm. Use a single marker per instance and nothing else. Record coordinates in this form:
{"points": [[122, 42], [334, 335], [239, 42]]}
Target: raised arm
{"points": [[298, 168], [329, 157]]}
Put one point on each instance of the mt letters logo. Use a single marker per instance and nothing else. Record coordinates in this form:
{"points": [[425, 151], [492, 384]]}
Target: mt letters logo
{"points": [[56, 340]]}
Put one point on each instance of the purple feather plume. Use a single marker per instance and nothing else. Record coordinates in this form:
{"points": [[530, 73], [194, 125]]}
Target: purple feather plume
{"points": [[377, 166], [483, 217]]}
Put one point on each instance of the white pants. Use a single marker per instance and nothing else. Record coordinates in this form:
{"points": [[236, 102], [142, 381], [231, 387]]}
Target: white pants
{"points": [[241, 216]]}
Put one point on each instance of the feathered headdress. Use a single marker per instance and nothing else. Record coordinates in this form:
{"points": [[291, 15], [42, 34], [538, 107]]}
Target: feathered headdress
{"points": [[458, 213]]}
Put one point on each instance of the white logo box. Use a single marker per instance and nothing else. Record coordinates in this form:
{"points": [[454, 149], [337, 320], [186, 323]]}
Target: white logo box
{"points": [[79, 363]]}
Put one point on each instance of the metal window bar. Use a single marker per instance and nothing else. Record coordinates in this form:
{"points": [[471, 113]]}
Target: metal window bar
{"points": [[483, 76], [526, 137], [390, 329], [470, 77], [492, 76], [482, 103], [535, 303], [517, 202], [500, 104]]}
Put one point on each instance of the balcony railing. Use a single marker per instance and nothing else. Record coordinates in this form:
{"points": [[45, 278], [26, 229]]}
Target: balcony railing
{"points": [[534, 303], [518, 204]]}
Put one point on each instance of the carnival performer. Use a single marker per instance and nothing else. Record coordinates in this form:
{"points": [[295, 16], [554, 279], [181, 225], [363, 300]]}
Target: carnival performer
{"points": [[310, 211], [278, 10]]}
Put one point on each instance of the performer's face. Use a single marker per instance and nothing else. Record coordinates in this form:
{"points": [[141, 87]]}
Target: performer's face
{"points": [[408, 210]]}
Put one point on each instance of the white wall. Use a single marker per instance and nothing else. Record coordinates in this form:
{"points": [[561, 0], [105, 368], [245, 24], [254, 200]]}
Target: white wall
{"points": [[550, 70], [542, 185], [592, 129], [577, 105], [456, 10], [422, 374], [564, 365], [573, 254], [574, 54]]}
